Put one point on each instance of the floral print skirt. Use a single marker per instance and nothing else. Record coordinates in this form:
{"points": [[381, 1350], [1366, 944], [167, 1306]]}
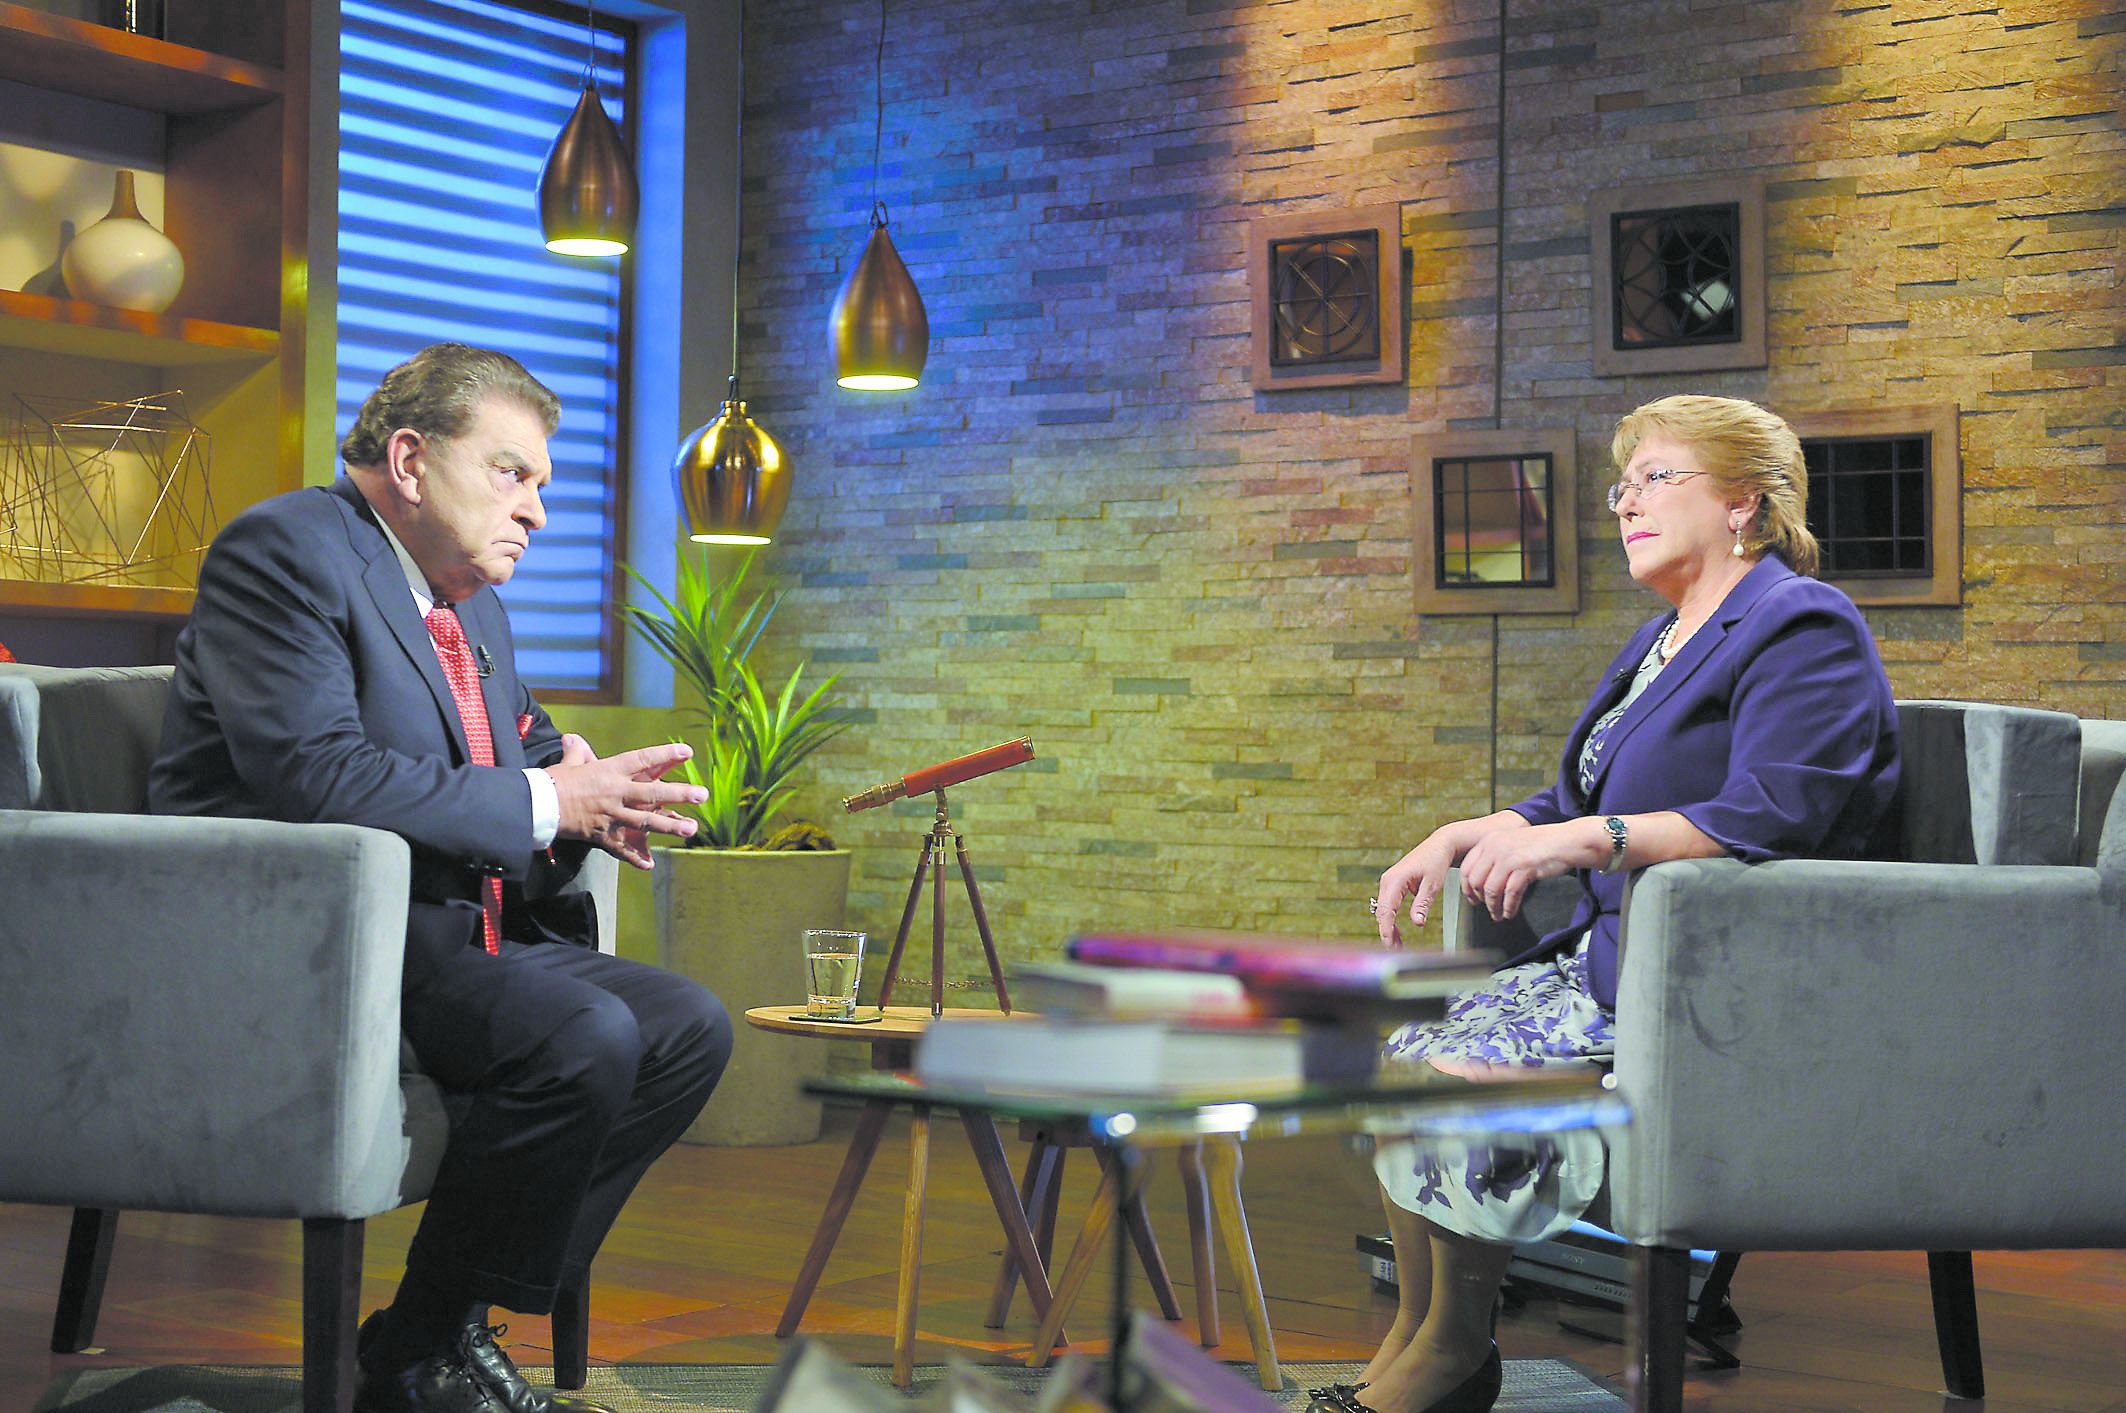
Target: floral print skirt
{"points": [[1503, 1189]]}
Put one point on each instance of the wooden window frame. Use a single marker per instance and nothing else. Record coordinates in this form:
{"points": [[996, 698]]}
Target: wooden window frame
{"points": [[1944, 587], [1751, 349], [1385, 221], [1427, 450]]}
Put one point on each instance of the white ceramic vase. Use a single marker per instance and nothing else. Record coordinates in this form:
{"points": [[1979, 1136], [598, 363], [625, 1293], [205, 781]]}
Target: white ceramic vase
{"points": [[122, 261]]}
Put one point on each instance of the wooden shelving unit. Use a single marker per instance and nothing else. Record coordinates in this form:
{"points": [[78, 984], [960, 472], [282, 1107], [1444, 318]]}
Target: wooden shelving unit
{"points": [[94, 61], [40, 600], [230, 89], [79, 330]]}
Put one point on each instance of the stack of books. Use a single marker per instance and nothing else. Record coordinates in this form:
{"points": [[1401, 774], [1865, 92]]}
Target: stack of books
{"points": [[1176, 1013]]}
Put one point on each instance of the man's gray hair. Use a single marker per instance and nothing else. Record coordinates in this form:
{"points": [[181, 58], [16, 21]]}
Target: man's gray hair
{"points": [[437, 393]]}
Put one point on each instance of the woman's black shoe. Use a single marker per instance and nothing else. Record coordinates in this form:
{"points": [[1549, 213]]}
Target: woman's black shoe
{"points": [[1474, 1394]]}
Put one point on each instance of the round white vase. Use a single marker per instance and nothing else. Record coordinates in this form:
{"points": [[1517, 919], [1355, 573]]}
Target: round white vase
{"points": [[122, 261]]}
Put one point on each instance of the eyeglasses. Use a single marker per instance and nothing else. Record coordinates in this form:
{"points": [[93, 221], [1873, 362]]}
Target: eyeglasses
{"points": [[1656, 480]]}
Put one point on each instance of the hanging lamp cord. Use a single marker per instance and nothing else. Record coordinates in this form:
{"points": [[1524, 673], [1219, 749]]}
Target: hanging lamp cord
{"points": [[590, 46], [738, 193], [878, 115]]}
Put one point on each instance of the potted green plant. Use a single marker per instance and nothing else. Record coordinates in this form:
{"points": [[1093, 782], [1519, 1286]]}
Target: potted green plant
{"points": [[733, 901]]}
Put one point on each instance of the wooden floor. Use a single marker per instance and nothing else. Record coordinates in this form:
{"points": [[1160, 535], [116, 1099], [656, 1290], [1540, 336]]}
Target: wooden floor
{"points": [[697, 1270]]}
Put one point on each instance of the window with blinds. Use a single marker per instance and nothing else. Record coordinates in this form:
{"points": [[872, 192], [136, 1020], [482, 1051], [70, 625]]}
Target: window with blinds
{"points": [[447, 111]]}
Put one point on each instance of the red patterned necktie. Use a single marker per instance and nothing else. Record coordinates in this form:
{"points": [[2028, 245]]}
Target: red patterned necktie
{"points": [[464, 679]]}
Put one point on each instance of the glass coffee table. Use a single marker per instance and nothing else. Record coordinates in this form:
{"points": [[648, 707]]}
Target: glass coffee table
{"points": [[1421, 1104]]}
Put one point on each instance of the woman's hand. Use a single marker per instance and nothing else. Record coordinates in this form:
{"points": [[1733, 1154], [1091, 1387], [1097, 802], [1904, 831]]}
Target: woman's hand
{"points": [[1420, 874], [1500, 868]]}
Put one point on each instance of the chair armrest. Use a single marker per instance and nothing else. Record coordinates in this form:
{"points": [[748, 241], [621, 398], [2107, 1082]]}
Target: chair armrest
{"points": [[1834, 1055], [1545, 908], [203, 1014], [599, 876]]}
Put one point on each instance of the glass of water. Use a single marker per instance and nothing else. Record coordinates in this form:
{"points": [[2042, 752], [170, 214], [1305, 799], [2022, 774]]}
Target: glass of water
{"points": [[833, 962]]}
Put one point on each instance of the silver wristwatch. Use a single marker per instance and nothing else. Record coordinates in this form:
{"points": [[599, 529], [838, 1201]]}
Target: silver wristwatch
{"points": [[1619, 841]]}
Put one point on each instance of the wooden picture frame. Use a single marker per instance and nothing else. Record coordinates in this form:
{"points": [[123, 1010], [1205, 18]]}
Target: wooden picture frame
{"points": [[1942, 586], [1490, 523], [1327, 300], [1740, 289]]}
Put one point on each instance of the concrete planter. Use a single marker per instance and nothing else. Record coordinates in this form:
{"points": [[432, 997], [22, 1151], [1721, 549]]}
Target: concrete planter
{"points": [[732, 920]]}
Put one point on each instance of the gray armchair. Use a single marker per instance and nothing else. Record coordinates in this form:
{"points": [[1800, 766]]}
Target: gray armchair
{"points": [[1908, 1055], [203, 1013]]}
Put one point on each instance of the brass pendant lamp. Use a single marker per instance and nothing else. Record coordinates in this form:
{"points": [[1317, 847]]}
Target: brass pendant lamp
{"points": [[730, 476], [587, 192], [733, 483], [879, 331]]}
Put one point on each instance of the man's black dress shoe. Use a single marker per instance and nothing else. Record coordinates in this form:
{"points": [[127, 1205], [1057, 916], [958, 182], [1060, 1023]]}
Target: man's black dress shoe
{"points": [[490, 1366], [435, 1385]]}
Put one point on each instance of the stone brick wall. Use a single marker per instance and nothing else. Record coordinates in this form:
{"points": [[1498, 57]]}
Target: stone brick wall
{"points": [[1086, 526]]}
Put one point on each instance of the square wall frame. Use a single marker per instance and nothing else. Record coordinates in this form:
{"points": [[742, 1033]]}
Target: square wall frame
{"points": [[1321, 279], [1744, 289], [1441, 469], [1943, 588]]}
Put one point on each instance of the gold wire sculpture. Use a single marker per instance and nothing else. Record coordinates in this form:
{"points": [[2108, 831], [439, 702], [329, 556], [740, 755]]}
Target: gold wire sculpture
{"points": [[105, 492]]}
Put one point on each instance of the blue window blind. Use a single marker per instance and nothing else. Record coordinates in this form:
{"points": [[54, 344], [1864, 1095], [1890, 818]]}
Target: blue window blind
{"points": [[447, 111]]}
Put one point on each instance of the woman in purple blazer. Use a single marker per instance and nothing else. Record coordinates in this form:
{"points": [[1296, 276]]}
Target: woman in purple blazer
{"points": [[1751, 719]]}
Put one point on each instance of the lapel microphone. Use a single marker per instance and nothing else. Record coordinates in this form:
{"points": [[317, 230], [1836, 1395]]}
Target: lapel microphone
{"points": [[487, 664]]}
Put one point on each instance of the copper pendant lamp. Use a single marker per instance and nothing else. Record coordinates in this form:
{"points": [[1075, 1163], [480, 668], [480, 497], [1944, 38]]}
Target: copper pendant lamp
{"points": [[730, 476], [733, 483], [587, 191], [881, 333], [878, 329]]}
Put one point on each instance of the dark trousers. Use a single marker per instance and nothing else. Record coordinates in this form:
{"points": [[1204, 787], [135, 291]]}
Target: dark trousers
{"points": [[568, 1072]]}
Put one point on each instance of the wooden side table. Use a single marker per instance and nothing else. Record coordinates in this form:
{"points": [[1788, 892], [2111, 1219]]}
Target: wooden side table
{"points": [[892, 1041]]}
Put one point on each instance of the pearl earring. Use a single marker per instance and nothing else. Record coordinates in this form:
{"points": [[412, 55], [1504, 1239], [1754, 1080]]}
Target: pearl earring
{"points": [[1738, 542]]}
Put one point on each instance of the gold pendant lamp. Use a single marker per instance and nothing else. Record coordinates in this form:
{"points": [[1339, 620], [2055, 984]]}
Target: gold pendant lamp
{"points": [[730, 476], [878, 329], [733, 483], [881, 333], [587, 192]]}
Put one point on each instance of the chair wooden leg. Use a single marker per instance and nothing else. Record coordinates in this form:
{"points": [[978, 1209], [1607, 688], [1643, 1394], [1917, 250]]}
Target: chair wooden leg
{"points": [[572, 1333], [1222, 1162], [1956, 1322], [88, 1261], [1076, 1268], [1203, 1255], [1147, 1243], [332, 1293], [1044, 1161], [870, 1127], [1010, 1208], [904, 1296], [1660, 1307]]}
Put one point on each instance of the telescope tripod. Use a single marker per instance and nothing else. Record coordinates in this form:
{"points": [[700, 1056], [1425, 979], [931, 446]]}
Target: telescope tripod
{"points": [[930, 854]]}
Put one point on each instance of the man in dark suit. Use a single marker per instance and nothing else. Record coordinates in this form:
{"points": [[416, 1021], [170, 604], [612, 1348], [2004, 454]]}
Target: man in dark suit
{"points": [[347, 660]]}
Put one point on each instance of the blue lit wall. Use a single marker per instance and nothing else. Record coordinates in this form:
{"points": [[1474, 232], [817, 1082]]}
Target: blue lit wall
{"points": [[447, 110]]}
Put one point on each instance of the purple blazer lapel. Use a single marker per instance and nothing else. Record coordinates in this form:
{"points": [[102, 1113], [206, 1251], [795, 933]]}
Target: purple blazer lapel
{"points": [[1693, 655]]}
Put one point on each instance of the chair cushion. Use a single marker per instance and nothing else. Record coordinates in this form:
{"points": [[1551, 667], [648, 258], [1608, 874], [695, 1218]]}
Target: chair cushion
{"points": [[79, 738], [2103, 828], [1979, 783]]}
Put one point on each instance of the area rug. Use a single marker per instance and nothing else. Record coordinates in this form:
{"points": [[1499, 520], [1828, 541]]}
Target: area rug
{"points": [[1532, 1386]]}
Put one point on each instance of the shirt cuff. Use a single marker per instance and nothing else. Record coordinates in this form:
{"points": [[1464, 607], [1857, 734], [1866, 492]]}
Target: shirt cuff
{"points": [[546, 808]]}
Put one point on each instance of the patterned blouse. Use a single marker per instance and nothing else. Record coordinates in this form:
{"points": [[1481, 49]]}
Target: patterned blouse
{"points": [[1598, 734]]}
